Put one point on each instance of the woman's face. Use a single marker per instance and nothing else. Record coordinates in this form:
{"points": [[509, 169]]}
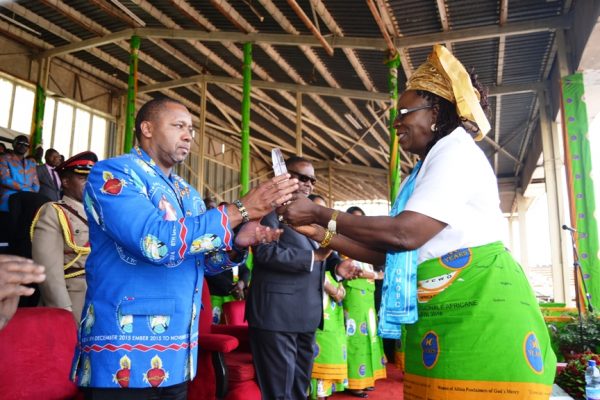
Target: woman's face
{"points": [[414, 128]]}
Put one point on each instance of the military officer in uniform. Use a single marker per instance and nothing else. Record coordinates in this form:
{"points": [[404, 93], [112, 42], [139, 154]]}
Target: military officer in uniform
{"points": [[60, 238]]}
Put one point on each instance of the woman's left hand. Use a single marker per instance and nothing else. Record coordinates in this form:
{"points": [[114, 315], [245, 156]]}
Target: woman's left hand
{"points": [[314, 232], [253, 233]]}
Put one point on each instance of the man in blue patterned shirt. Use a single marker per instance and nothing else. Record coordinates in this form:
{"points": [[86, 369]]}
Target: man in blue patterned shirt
{"points": [[152, 241]]}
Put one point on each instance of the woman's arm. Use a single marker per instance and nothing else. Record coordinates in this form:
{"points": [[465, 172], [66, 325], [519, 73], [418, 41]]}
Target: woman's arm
{"points": [[344, 245], [407, 231]]}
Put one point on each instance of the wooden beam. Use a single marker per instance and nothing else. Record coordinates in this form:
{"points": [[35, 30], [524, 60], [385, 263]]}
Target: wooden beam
{"points": [[459, 35], [290, 87]]}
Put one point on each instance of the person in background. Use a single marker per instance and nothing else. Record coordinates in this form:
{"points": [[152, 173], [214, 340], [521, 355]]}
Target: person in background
{"points": [[329, 372], [472, 320], [37, 154], [228, 286], [50, 185], [17, 174], [15, 273], [152, 240], [2, 148], [366, 360], [60, 238], [287, 274]]}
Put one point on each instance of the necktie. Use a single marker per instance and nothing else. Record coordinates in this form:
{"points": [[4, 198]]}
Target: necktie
{"points": [[55, 177]]}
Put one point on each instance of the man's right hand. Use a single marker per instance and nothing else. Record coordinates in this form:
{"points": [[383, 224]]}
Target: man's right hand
{"points": [[264, 198]]}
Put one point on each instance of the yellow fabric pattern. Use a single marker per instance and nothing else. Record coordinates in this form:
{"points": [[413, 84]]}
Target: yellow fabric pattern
{"points": [[64, 223], [442, 74]]}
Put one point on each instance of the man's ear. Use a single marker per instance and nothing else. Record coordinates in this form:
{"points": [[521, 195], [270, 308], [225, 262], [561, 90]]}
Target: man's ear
{"points": [[146, 128]]}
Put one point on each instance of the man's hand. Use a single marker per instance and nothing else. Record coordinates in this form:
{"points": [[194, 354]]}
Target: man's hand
{"points": [[270, 194], [348, 269], [15, 273], [253, 233], [238, 290]]}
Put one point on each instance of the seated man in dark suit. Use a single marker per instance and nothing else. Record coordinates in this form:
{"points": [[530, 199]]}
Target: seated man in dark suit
{"points": [[285, 301], [49, 180]]}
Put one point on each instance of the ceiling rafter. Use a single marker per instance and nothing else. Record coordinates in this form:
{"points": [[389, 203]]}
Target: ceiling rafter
{"points": [[391, 25], [314, 58], [352, 58], [99, 53], [458, 35], [443, 12], [499, 76], [199, 19], [233, 15]]}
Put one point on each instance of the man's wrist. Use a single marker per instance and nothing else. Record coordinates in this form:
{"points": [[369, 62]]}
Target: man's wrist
{"points": [[242, 210]]}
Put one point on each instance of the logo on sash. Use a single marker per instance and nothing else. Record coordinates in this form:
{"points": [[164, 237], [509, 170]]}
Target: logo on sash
{"points": [[430, 346], [533, 353], [457, 259]]}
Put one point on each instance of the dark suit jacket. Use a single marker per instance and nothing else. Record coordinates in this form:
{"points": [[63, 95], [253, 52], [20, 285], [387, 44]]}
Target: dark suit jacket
{"points": [[285, 295], [47, 186]]}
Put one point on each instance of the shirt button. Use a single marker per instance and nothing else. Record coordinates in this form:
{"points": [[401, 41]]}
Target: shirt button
{"points": [[196, 290]]}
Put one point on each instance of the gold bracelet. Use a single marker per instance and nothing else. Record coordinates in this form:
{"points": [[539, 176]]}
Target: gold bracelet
{"points": [[327, 239]]}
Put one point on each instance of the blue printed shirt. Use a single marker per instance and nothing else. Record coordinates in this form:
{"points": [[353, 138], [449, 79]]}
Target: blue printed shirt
{"points": [[149, 235]]}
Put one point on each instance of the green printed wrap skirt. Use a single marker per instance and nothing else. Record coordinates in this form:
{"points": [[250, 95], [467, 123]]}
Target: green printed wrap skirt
{"points": [[329, 373], [480, 333]]}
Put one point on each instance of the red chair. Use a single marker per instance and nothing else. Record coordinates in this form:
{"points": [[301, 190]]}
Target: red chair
{"points": [[239, 375], [37, 348], [233, 313], [210, 382]]}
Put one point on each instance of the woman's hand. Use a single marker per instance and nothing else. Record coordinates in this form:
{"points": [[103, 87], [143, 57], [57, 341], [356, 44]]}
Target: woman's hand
{"points": [[253, 233], [314, 232], [301, 211]]}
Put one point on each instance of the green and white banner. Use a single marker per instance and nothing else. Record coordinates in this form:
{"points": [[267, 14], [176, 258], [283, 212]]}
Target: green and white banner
{"points": [[578, 158]]}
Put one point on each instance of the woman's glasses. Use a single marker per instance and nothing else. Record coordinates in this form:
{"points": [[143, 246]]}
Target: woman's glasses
{"points": [[304, 178], [403, 111]]}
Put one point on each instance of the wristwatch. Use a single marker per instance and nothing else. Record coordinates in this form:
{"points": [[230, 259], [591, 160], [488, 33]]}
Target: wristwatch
{"points": [[242, 210], [332, 224]]}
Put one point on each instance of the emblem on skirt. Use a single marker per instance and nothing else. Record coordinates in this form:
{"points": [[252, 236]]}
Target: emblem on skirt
{"points": [[533, 353], [430, 346], [456, 259]]}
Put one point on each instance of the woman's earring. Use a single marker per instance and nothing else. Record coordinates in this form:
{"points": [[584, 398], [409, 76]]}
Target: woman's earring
{"points": [[433, 127]]}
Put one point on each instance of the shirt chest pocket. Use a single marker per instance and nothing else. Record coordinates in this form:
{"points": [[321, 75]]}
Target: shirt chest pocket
{"points": [[156, 312]]}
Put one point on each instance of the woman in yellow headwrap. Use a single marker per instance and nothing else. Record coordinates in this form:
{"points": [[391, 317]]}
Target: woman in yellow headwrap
{"points": [[473, 326]]}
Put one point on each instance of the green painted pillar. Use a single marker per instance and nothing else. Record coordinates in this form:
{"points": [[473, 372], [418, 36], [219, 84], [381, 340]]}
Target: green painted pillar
{"points": [[38, 116], [131, 93], [247, 75], [394, 173], [580, 183]]}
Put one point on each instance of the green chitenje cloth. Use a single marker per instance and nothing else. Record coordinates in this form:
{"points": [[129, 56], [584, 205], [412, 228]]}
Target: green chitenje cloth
{"points": [[480, 332], [329, 372], [366, 359]]}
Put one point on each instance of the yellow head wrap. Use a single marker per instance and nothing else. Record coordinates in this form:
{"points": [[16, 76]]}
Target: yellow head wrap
{"points": [[442, 74]]}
